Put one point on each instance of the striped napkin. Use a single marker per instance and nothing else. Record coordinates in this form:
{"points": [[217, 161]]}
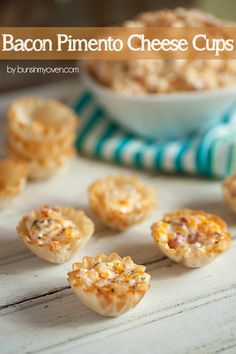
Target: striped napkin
{"points": [[210, 153]]}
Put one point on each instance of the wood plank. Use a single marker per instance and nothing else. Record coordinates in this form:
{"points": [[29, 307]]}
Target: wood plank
{"points": [[174, 291], [196, 330]]}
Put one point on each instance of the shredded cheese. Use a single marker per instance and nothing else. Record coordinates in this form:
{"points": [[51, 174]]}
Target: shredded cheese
{"points": [[111, 273], [191, 230], [47, 225]]}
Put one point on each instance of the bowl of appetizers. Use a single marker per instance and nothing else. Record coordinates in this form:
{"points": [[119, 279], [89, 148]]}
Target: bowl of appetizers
{"points": [[159, 98]]}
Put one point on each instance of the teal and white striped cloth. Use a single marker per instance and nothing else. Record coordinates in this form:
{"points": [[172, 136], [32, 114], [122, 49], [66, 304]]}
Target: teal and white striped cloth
{"points": [[210, 153]]}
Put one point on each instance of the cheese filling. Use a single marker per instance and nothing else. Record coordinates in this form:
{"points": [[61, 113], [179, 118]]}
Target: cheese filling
{"points": [[124, 198], [116, 274], [192, 231], [48, 225]]}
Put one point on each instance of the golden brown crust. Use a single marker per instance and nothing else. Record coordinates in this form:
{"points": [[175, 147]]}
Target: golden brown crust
{"points": [[191, 237], [121, 201]]}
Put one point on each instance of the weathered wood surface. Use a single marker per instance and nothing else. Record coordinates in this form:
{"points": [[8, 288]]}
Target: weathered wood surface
{"points": [[185, 311]]}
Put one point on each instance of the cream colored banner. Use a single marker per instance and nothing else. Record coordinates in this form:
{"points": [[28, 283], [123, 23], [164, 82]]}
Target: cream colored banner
{"points": [[32, 43]]}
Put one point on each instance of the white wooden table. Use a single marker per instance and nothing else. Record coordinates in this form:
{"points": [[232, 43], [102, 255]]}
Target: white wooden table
{"points": [[185, 311]]}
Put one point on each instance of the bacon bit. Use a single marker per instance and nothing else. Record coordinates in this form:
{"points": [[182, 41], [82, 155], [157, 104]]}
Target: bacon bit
{"points": [[44, 212], [193, 238], [176, 241], [35, 223], [217, 238], [184, 220]]}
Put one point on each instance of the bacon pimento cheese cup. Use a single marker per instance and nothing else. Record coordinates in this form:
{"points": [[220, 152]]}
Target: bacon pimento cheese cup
{"points": [[55, 233], [42, 168], [109, 285], [121, 201], [42, 133], [193, 238], [229, 190], [13, 176], [36, 119]]}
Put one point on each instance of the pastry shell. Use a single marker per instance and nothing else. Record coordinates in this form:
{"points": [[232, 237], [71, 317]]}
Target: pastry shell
{"points": [[106, 303], [59, 252], [36, 119], [37, 149], [197, 257], [46, 167], [114, 218], [13, 177], [229, 191]]}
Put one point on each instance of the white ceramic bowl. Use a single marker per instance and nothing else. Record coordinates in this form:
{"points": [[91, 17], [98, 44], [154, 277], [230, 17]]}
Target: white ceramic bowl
{"points": [[162, 116]]}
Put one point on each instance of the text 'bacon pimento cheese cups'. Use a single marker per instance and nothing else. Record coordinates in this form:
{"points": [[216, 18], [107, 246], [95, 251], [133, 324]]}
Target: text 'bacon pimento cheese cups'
{"points": [[55, 234], [193, 238], [121, 201], [109, 285], [42, 133]]}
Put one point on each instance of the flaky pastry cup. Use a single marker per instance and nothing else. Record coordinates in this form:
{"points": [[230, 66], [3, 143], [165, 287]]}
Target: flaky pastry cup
{"points": [[13, 176], [44, 168], [108, 297], [58, 252], [193, 238], [38, 149], [41, 169], [121, 201], [229, 191], [36, 119]]}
